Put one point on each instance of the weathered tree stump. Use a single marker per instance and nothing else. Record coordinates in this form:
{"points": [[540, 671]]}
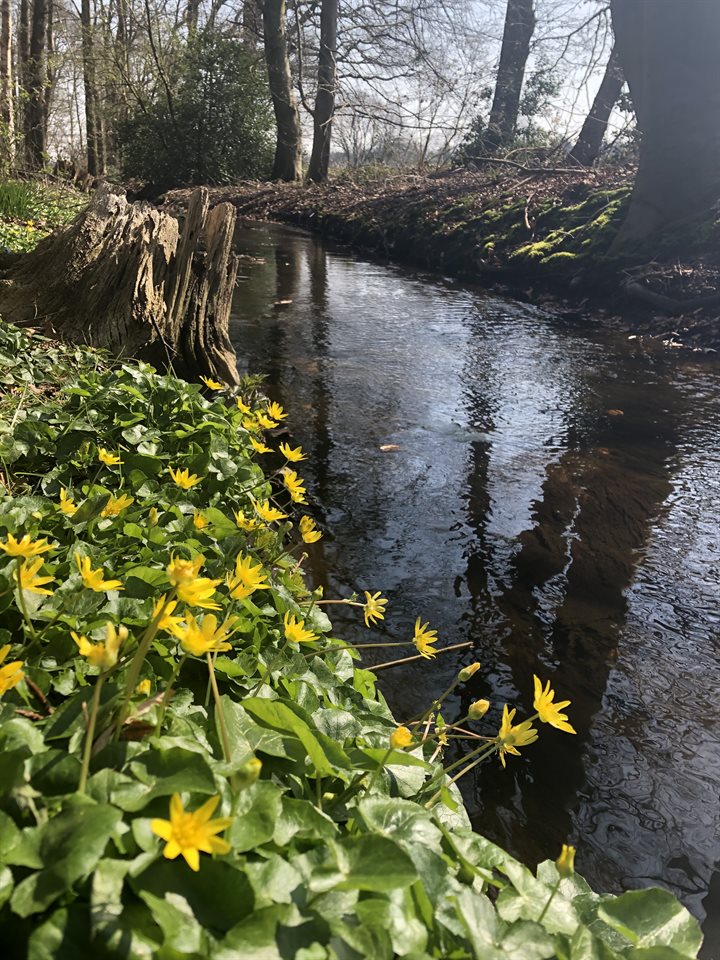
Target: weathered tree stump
{"points": [[126, 277]]}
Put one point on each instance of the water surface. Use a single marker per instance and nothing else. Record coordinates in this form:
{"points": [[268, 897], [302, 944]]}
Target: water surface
{"points": [[551, 493]]}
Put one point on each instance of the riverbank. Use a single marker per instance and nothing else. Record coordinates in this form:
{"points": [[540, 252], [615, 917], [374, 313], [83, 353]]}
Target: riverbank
{"points": [[225, 783], [536, 235]]}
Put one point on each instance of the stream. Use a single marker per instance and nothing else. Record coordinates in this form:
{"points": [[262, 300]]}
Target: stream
{"points": [[543, 486]]}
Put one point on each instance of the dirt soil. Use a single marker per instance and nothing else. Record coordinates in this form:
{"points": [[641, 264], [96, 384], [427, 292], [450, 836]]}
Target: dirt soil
{"points": [[534, 233]]}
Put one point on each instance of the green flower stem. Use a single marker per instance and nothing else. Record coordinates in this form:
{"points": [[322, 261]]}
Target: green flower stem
{"points": [[90, 735], [168, 692], [218, 706], [482, 754], [356, 646], [550, 900], [23, 606], [471, 755], [378, 768], [269, 669], [395, 663]]}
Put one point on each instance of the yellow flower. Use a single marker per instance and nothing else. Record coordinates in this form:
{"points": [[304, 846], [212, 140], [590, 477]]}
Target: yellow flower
{"points": [[251, 425], [268, 513], [167, 621], [565, 863], [294, 455], [478, 709], [549, 712], [258, 446], [294, 484], [25, 547], [511, 737], [243, 407], [276, 411], [212, 384], [183, 478], [109, 459], [265, 422], [29, 580], [11, 674], [424, 640], [467, 672], [199, 637], [308, 531], [400, 738], [295, 631], [191, 589], [191, 834], [144, 688], [115, 506], [94, 579], [245, 523], [67, 504], [153, 516], [374, 608], [102, 655], [199, 520], [248, 578]]}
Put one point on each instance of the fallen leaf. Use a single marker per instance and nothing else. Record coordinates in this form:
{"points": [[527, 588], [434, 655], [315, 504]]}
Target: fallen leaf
{"points": [[389, 447]]}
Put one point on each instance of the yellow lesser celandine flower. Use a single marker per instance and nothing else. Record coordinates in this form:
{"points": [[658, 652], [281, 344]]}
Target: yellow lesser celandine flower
{"points": [[292, 454], [67, 504], [102, 655], [199, 637], [295, 631], [191, 834], [28, 579], [251, 425], [11, 674], [109, 459], [308, 531], [565, 863], [294, 485], [190, 588], [245, 523], [167, 621], [259, 447], [199, 520], [27, 547], [400, 738], [511, 737], [549, 712], [115, 505], [183, 478], [144, 688], [243, 407], [268, 513], [248, 578], [212, 384], [374, 608], [95, 579], [275, 411], [424, 640], [265, 422]]}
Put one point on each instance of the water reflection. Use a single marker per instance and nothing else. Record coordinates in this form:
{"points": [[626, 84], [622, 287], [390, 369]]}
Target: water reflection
{"points": [[554, 498]]}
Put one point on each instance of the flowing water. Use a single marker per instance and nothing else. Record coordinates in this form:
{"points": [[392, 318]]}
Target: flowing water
{"points": [[549, 490]]}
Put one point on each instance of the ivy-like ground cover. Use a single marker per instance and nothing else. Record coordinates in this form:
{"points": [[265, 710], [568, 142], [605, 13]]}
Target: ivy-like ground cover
{"points": [[191, 766]]}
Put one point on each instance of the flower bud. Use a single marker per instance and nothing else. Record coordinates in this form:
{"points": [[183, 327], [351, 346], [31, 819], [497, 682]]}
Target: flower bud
{"points": [[152, 516], [400, 738], [478, 709], [247, 774], [143, 688], [468, 672], [565, 863]]}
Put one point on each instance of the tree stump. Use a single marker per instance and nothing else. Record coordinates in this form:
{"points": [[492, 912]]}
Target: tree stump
{"points": [[126, 277]]}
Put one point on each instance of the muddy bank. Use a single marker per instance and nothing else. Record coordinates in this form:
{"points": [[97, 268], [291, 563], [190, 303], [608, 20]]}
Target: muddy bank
{"points": [[537, 234]]}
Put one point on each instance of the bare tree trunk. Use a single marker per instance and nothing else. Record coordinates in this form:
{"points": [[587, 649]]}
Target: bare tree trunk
{"points": [[7, 113], [669, 54], [123, 276], [36, 80], [325, 96], [192, 14], [519, 29], [288, 150], [92, 121], [587, 149]]}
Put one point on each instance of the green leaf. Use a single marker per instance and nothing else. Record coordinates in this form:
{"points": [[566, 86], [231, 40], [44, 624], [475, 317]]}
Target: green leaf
{"points": [[64, 936], [255, 815], [653, 917], [370, 863]]}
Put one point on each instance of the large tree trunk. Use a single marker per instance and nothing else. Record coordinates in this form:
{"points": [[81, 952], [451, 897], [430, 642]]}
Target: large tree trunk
{"points": [[325, 96], [519, 28], [288, 150], [587, 149], [92, 120], [7, 113], [124, 276], [669, 53], [35, 76]]}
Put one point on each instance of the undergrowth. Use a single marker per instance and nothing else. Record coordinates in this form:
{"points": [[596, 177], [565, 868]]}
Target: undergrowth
{"points": [[191, 764], [30, 211]]}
